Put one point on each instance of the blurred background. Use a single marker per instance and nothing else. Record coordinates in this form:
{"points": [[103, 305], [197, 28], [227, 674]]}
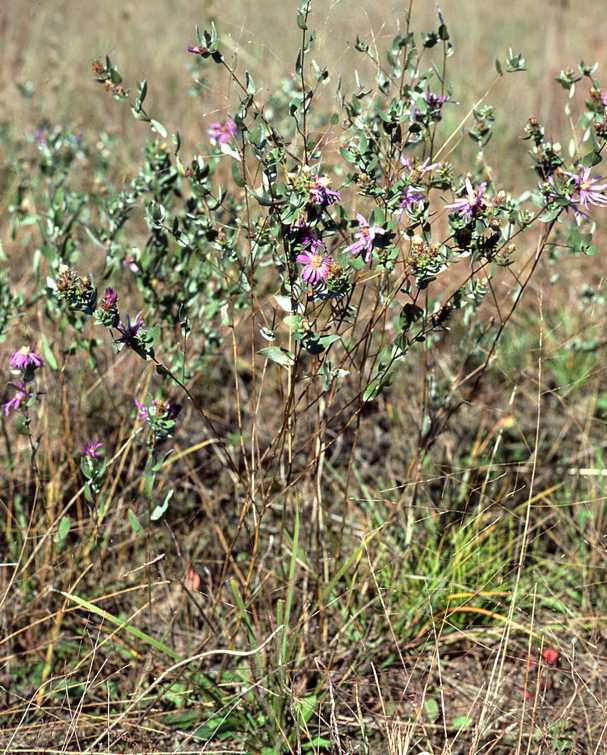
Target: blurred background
{"points": [[47, 46]]}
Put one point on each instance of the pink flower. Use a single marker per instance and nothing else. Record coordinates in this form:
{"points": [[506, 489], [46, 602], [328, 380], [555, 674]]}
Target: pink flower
{"points": [[25, 359], [472, 203], [109, 300], [142, 410], [222, 133], [316, 264], [20, 397], [196, 50], [91, 449], [587, 191], [365, 238]]}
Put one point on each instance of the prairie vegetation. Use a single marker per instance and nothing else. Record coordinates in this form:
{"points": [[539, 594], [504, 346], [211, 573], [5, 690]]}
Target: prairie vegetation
{"points": [[302, 322]]}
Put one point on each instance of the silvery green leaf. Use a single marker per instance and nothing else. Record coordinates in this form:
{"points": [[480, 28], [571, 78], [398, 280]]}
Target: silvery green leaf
{"points": [[283, 302], [160, 510], [281, 356], [227, 150]]}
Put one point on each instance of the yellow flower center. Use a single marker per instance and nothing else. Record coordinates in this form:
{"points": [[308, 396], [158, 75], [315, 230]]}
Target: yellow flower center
{"points": [[316, 261]]}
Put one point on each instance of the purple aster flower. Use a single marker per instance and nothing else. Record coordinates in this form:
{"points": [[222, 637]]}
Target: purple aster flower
{"points": [[472, 203], [91, 449], [316, 264], [14, 404], [365, 238], [434, 100], [222, 133], [142, 410], [434, 103], [110, 297], [411, 196], [130, 330], [25, 359], [195, 50], [587, 191], [322, 195]]}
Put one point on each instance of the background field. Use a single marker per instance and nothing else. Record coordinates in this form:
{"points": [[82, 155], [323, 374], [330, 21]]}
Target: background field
{"points": [[416, 625]]}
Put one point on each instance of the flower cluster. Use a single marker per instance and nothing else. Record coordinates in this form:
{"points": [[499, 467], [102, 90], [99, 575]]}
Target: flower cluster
{"points": [[93, 468], [107, 313], [78, 292], [159, 414], [24, 361], [321, 194]]}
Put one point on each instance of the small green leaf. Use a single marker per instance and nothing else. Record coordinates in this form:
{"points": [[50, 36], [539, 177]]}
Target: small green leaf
{"points": [[372, 390], [63, 529], [22, 425], [591, 159], [278, 355], [236, 175], [431, 708], [461, 722], [305, 708], [134, 522], [159, 128], [293, 321], [47, 352], [143, 90], [326, 341], [317, 742], [160, 511]]}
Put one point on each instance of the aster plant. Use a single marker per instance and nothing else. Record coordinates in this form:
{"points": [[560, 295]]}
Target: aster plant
{"points": [[381, 220], [318, 254]]}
